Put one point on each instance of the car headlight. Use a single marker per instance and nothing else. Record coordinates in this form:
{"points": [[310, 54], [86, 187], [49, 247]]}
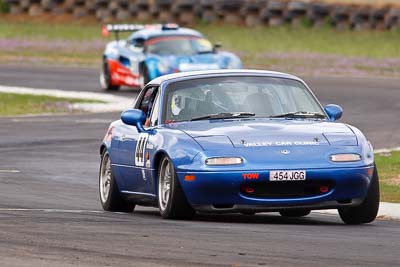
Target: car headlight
{"points": [[162, 66], [345, 157], [224, 161]]}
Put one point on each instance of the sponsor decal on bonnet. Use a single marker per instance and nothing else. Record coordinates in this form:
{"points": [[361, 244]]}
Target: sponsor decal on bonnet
{"points": [[282, 143]]}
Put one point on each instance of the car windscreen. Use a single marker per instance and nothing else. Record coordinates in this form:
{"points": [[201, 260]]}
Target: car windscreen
{"points": [[178, 45], [256, 96]]}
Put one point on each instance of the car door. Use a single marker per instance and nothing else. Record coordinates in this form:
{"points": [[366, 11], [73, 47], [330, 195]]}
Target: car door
{"points": [[132, 148]]}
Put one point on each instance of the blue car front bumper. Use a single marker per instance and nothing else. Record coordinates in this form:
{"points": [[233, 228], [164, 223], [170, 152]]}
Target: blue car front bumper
{"points": [[233, 192]]}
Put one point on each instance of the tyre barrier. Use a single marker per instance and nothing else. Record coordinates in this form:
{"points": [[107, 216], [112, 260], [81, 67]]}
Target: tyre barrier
{"points": [[273, 13], [360, 19], [317, 14], [392, 19], [251, 13], [183, 11], [229, 10], [295, 12], [207, 11]]}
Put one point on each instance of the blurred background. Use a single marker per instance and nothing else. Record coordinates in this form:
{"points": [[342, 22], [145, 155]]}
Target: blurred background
{"points": [[355, 38]]}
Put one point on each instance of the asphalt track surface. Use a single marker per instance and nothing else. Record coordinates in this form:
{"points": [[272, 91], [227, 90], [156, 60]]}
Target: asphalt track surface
{"points": [[371, 104], [50, 213]]}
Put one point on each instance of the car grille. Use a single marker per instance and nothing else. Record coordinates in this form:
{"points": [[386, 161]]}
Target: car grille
{"points": [[283, 189]]}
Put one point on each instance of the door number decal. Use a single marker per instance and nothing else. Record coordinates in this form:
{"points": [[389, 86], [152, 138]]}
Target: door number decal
{"points": [[140, 149]]}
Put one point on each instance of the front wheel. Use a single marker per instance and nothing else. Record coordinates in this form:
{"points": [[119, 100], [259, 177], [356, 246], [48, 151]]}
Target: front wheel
{"points": [[172, 201], [105, 78], [110, 197], [368, 210]]}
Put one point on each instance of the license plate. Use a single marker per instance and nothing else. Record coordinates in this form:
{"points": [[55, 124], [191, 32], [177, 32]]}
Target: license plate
{"points": [[287, 175]]}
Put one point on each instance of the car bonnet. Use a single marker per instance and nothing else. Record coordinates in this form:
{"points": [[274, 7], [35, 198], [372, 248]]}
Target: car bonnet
{"points": [[268, 132]]}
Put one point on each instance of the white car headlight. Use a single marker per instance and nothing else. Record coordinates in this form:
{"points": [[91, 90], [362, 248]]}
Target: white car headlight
{"points": [[345, 157], [162, 66], [224, 161]]}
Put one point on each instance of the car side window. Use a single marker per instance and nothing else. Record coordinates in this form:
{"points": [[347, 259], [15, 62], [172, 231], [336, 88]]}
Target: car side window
{"points": [[147, 102], [139, 42], [136, 45]]}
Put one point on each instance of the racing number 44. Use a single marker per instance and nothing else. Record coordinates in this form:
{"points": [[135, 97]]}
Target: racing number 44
{"points": [[140, 149]]}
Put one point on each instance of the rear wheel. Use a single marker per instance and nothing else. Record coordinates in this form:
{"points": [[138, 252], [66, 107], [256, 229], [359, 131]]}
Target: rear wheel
{"points": [[105, 78], [367, 211], [295, 213], [110, 197], [172, 201]]}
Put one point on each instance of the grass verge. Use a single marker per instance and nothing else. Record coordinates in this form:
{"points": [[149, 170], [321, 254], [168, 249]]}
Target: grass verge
{"points": [[388, 165], [20, 104], [299, 49]]}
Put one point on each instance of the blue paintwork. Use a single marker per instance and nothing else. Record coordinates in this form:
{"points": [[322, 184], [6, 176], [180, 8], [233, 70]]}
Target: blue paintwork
{"points": [[134, 117], [334, 112], [217, 60], [189, 144], [133, 59]]}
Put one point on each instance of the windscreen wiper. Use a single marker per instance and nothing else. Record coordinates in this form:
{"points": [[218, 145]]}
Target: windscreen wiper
{"points": [[205, 52], [224, 115], [300, 114]]}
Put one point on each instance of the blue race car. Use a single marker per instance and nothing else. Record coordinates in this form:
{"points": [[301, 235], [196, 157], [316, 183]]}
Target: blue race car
{"points": [[155, 50], [241, 141]]}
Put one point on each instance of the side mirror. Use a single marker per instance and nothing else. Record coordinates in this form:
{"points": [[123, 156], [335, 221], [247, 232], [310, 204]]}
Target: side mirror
{"points": [[134, 117], [217, 45], [334, 112]]}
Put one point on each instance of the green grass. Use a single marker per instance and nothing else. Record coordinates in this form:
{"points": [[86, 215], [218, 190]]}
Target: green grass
{"points": [[302, 39], [250, 43], [33, 30], [20, 104], [388, 165], [326, 40]]}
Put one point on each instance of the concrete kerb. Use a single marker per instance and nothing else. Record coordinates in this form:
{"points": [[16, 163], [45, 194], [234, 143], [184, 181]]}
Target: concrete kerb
{"points": [[112, 102], [386, 150]]}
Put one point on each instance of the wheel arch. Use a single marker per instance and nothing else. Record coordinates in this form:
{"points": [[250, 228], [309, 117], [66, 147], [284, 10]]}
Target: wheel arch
{"points": [[156, 165], [103, 147]]}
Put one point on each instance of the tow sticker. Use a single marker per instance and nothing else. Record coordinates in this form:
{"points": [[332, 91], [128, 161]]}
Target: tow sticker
{"points": [[140, 149]]}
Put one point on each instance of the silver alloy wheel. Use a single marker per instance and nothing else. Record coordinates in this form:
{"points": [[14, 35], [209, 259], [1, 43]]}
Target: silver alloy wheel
{"points": [[164, 184], [105, 178]]}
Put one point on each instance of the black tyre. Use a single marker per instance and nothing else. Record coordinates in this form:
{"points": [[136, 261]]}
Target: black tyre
{"points": [[105, 78], [367, 211], [110, 197], [295, 213], [172, 201]]}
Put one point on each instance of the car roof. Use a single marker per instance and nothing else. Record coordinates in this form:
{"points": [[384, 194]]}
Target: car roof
{"points": [[226, 72], [154, 32]]}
